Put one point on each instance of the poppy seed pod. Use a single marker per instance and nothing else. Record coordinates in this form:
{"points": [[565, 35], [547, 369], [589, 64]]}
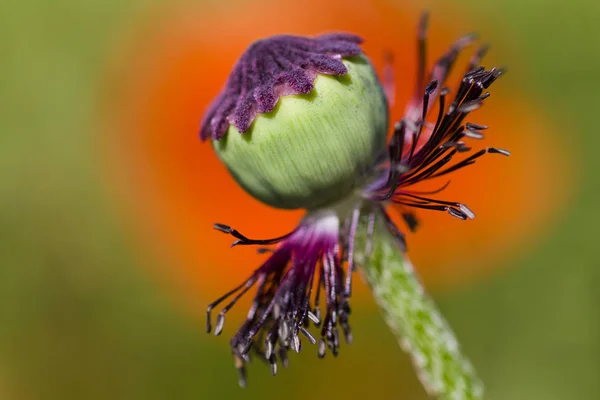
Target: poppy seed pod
{"points": [[300, 120]]}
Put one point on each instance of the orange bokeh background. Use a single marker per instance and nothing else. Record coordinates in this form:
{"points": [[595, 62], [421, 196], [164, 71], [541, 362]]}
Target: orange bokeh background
{"points": [[172, 188]]}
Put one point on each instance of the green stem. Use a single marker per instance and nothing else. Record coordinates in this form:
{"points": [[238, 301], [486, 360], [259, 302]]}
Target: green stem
{"points": [[413, 317]]}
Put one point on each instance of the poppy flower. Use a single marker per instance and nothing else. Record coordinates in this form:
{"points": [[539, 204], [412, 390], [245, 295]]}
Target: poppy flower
{"points": [[176, 186], [291, 158], [170, 186]]}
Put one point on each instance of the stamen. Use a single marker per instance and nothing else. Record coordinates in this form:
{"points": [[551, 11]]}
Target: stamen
{"points": [[428, 91], [286, 283], [273, 363], [221, 316], [220, 324], [467, 161], [269, 346], [428, 192], [467, 211], [456, 213], [498, 151], [308, 335], [459, 146], [473, 134], [220, 300], [410, 220], [243, 240], [476, 127], [295, 343], [428, 173], [322, 348], [313, 318], [440, 116], [474, 71], [425, 200], [423, 206]]}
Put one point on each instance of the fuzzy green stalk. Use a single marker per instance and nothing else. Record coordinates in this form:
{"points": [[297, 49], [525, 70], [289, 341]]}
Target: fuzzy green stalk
{"points": [[413, 317]]}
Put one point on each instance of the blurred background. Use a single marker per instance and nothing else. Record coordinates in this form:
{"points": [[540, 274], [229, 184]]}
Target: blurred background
{"points": [[108, 259]]}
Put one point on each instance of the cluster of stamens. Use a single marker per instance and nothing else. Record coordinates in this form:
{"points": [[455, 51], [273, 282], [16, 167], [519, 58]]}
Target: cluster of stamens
{"points": [[302, 283], [420, 150]]}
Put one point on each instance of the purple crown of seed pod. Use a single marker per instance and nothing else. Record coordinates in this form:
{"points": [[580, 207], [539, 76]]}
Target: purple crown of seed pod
{"points": [[271, 68]]}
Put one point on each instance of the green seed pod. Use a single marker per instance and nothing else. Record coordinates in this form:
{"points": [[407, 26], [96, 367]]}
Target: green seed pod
{"points": [[311, 148]]}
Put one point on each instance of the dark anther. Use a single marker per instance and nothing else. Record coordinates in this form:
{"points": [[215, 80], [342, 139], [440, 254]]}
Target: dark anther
{"points": [[308, 335], [220, 323], [322, 348], [284, 331], [476, 127], [313, 317], [295, 343], [466, 211], [473, 134], [268, 348], [498, 151], [410, 220], [430, 88], [456, 213], [273, 363], [208, 324]]}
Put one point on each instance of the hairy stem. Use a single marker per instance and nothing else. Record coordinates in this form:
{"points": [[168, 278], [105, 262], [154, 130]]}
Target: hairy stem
{"points": [[413, 317]]}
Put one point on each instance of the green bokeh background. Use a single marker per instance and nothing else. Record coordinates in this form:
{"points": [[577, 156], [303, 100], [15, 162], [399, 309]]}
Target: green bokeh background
{"points": [[79, 318]]}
